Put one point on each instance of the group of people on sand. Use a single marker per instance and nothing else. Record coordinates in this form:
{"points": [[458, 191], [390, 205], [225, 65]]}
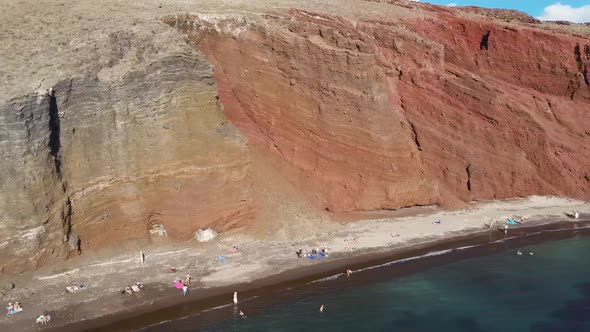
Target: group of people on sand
{"points": [[179, 284], [13, 308], [16, 308], [313, 251], [131, 289]]}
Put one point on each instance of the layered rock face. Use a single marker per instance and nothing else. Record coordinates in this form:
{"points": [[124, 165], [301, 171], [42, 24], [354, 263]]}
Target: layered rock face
{"points": [[94, 163], [134, 127], [381, 114]]}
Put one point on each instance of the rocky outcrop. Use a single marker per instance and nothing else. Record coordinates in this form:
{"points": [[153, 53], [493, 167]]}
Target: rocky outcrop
{"points": [[382, 114], [94, 163]]}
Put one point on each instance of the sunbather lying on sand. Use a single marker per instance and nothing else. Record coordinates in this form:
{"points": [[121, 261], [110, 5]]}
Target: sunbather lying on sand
{"points": [[43, 319]]}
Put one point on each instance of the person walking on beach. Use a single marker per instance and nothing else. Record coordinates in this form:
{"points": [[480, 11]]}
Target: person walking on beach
{"points": [[185, 290], [235, 298], [506, 229]]}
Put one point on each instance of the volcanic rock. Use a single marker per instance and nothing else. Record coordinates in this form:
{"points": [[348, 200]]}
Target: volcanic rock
{"points": [[118, 118]]}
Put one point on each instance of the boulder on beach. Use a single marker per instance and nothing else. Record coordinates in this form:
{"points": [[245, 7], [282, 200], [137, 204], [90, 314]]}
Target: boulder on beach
{"points": [[204, 235], [158, 230], [7, 286]]}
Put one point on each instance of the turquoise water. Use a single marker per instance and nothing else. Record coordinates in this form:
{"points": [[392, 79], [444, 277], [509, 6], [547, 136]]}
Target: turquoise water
{"points": [[502, 291]]}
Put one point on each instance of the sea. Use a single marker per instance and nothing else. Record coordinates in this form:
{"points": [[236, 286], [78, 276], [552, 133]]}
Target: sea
{"points": [[478, 288]]}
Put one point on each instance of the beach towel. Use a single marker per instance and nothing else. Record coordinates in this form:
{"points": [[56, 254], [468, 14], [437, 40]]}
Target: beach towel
{"points": [[135, 288], [222, 259], [178, 285], [513, 222], [14, 311], [320, 255]]}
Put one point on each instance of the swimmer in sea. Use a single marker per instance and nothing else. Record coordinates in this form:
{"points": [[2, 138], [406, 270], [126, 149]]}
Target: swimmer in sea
{"points": [[322, 308]]}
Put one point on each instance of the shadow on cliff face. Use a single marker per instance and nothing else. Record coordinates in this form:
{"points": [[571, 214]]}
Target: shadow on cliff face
{"points": [[485, 40], [54, 132], [583, 61]]}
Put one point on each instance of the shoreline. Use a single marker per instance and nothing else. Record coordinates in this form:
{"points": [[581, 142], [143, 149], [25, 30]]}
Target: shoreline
{"points": [[210, 299], [263, 265]]}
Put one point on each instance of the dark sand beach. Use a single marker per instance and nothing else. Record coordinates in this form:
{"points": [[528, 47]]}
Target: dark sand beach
{"points": [[484, 243]]}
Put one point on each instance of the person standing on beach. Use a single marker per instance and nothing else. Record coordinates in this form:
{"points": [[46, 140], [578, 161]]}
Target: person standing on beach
{"points": [[506, 229], [185, 290], [235, 298], [188, 279]]}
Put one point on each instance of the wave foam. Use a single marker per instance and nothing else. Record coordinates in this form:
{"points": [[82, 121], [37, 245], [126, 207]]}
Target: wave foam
{"points": [[430, 254], [332, 277]]}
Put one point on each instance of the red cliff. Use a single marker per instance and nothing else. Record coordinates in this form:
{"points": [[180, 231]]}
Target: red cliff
{"points": [[450, 106], [125, 121]]}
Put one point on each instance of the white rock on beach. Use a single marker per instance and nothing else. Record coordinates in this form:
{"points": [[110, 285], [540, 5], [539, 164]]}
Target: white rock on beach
{"points": [[204, 235]]}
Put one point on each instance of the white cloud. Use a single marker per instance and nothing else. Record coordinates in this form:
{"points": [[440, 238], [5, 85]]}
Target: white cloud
{"points": [[452, 4], [559, 12]]}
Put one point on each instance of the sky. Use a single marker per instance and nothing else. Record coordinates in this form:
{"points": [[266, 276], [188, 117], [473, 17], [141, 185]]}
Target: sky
{"points": [[568, 10]]}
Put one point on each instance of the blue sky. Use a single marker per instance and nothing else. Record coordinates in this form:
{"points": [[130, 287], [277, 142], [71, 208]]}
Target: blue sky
{"points": [[573, 10]]}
